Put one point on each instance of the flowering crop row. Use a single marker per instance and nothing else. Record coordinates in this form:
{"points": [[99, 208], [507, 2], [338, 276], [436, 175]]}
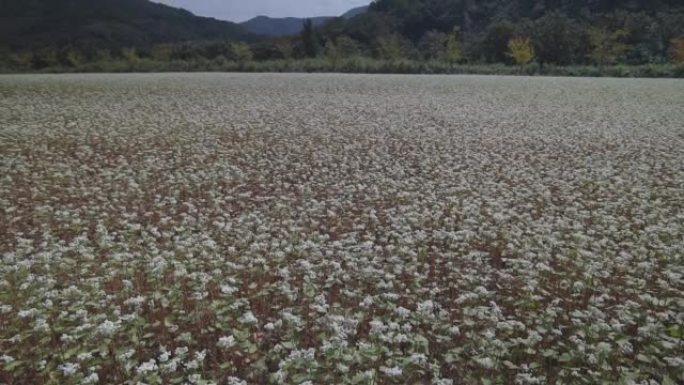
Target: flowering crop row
{"points": [[330, 229]]}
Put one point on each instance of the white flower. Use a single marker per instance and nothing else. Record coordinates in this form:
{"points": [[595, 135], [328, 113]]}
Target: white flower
{"points": [[442, 381], [69, 369], [27, 313], [236, 381], [226, 342], [170, 366], [228, 289], [107, 328], [392, 372], [248, 318], [135, 301], [418, 359], [402, 312], [485, 362], [6, 359], [164, 357], [145, 367], [93, 378]]}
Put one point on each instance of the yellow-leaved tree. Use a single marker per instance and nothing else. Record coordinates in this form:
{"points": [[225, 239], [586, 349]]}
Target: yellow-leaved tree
{"points": [[677, 49], [521, 50], [453, 52]]}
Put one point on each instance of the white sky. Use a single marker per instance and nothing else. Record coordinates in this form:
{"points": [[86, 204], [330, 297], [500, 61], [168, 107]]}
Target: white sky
{"points": [[241, 10]]}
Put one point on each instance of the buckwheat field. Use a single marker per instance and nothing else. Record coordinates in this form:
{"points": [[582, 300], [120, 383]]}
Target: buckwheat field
{"points": [[341, 229]]}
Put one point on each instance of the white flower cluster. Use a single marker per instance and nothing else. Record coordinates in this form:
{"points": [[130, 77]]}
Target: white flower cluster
{"points": [[329, 229]]}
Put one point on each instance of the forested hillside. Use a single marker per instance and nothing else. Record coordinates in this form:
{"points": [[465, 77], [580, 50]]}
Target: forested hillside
{"points": [[390, 36], [279, 26], [103, 24], [561, 32]]}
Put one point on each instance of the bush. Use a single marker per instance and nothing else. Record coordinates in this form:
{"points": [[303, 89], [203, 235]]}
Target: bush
{"points": [[356, 64]]}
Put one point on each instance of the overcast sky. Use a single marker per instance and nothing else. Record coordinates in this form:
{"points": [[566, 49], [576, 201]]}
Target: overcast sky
{"points": [[241, 10]]}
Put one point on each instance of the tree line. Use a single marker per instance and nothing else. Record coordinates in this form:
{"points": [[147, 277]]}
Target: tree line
{"points": [[454, 32]]}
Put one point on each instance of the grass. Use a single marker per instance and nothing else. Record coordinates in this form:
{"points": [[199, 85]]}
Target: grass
{"points": [[372, 66]]}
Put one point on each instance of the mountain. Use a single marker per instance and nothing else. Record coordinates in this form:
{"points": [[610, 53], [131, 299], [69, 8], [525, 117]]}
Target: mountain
{"points": [[416, 17], [355, 12], [281, 26], [288, 26], [31, 24]]}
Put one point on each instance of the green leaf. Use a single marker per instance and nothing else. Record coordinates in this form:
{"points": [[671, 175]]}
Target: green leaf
{"points": [[299, 378], [675, 331], [252, 348], [71, 352], [565, 357], [643, 358], [12, 366], [289, 345]]}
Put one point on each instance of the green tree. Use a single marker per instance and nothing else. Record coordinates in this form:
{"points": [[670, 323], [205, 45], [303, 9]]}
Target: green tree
{"points": [[240, 52], [433, 44], [130, 55], [332, 53], [495, 43], [391, 47], [556, 39], [347, 46], [73, 58], [285, 48], [45, 58], [162, 52], [310, 39], [102, 56], [521, 50], [606, 46]]}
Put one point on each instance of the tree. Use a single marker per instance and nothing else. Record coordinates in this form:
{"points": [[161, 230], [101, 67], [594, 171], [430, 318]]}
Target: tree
{"points": [[285, 48], [677, 48], [391, 47], [22, 60], [240, 52], [347, 46], [130, 55], [162, 52], [102, 56], [495, 43], [556, 39], [73, 58], [453, 52], [433, 44], [332, 53], [606, 46], [521, 50], [309, 39], [367, 27], [46, 57]]}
